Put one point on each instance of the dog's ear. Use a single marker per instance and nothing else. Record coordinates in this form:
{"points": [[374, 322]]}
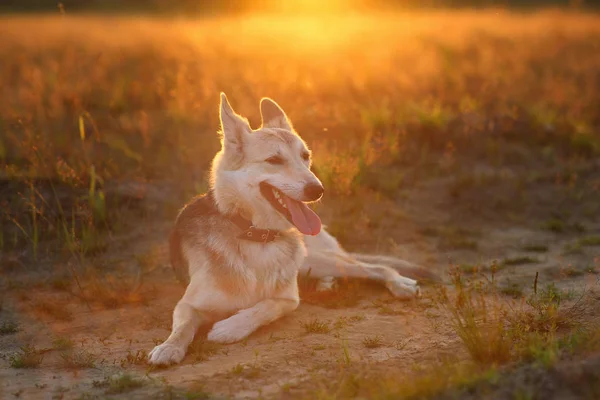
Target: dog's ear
{"points": [[272, 115], [234, 128]]}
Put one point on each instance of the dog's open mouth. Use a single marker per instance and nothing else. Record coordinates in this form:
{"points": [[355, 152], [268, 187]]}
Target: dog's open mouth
{"points": [[295, 211]]}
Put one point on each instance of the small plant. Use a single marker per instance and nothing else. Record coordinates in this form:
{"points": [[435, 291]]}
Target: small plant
{"points": [[78, 359], [123, 383], [535, 248], [590, 241], [340, 323], [197, 392], [62, 343], [521, 260], [316, 326], [345, 359], [555, 225], [371, 342], [8, 327], [237, 369], [476, 318], [28, 357]]}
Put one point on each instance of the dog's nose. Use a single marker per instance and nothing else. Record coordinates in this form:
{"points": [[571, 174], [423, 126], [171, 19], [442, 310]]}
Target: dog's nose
{"points": [[313, 192]]}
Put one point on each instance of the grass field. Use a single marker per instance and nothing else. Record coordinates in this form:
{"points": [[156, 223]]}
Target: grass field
{"points": [[465, 141]]}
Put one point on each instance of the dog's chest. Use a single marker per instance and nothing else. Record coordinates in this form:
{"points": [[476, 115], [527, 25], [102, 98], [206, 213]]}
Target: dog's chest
{"points": [[272, 264], [272, 257]]}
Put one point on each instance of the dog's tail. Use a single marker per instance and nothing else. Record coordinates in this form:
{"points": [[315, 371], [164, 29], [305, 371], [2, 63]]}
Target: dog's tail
{"points": [[403, 267]]}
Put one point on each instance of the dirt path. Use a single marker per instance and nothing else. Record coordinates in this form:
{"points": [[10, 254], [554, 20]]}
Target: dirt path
{"points": [[283, 357]]}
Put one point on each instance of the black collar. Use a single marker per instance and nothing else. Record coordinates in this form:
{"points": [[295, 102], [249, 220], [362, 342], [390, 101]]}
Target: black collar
{"points": [[250, 232]]}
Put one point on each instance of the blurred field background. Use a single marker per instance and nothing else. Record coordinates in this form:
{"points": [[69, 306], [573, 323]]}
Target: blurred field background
{"points": [[89, 101], [445, 120]]}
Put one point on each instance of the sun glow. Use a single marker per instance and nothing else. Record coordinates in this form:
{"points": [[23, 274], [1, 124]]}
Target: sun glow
{"points": [[313, 7]]}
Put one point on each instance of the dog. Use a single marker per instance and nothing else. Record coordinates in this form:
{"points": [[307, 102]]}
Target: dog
{"points": [[240, 248]]}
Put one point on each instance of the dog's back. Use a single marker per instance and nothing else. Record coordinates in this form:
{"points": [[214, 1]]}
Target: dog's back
{"points": [[189, 221]]}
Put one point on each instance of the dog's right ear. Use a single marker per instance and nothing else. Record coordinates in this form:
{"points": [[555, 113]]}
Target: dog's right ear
{"points": [[234, 128], [273, 115]]}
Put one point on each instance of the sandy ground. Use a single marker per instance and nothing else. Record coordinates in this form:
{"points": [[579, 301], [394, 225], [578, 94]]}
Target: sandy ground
{"points": [[282, 358]]}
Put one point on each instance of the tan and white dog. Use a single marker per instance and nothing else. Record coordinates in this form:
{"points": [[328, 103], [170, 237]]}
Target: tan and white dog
{"points": [[240, 247]]}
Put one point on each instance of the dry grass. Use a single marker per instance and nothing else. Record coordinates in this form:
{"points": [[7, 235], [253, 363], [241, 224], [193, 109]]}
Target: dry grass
{"points": [[123, 383], [27, 357], [371, 342], [316, 326], [77, 359], [86, 107], [526, 335], [497, 331]]}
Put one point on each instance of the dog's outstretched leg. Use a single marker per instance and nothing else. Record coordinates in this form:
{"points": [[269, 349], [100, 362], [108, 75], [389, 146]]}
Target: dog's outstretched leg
{"points": [[186, 321], [403, 267], [323, 264]]}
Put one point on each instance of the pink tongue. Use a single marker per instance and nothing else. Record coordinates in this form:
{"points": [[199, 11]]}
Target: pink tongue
{"points": [[303, 217]]}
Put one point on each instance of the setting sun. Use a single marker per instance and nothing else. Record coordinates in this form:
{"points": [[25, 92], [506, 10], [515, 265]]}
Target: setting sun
{"points": [[312, 6]]}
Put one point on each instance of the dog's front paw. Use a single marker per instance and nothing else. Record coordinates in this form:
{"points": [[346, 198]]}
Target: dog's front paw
{"points": [[166, 354], [227, 332], [404, 288]]}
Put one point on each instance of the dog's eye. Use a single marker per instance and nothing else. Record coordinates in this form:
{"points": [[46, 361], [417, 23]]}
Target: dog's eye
{"points": [[275, 160], [306, 156]]}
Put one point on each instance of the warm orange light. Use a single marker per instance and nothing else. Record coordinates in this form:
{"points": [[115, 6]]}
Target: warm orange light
{"points": [[312, 6]]}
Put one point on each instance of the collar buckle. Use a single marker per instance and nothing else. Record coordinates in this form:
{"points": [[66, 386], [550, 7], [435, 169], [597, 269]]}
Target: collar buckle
{"points": [[265, 236]]}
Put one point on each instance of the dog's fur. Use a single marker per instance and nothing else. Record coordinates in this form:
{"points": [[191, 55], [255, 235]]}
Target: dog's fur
{"points": [[243, 284]]}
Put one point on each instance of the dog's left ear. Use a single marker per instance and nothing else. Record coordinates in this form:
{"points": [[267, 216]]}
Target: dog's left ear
{"points": [[234, 128], [272, 115]]}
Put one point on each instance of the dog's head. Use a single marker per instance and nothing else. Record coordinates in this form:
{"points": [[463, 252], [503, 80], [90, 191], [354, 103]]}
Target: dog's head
{"points": [[265, 174]]}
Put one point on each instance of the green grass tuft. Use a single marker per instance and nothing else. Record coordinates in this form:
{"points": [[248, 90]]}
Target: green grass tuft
{"points": [[123, 384], [28, 357], [8, 328], [372, 342], [316, 326], [590, 241]]}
